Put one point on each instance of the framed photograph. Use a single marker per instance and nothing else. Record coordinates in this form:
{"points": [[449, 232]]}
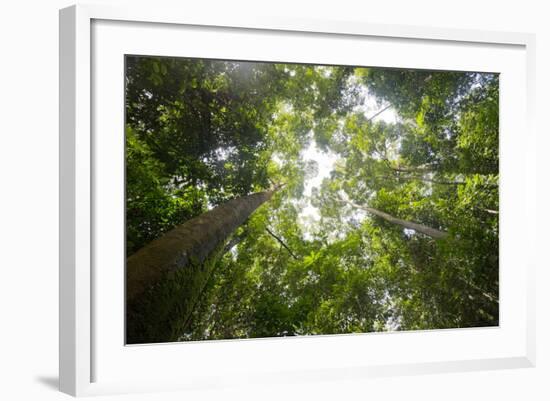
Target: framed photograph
{"points": [[273, 200]]}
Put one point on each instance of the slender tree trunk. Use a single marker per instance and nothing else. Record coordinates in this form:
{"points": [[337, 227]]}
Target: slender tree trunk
{"points": [[165, 278], [233, 242], [421, 228], [420, 178], [425, 168], [432, 181], [432, 232], [378, 112]]}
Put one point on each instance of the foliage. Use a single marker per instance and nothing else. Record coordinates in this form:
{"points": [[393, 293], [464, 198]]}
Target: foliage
{"points": [[200, 132]]}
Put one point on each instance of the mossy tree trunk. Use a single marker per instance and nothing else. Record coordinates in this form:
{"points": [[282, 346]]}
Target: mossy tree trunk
{"points": [[165, 278]]}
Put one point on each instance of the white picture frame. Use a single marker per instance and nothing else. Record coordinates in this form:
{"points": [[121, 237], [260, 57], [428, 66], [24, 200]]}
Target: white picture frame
{"points": [[91, 359]]}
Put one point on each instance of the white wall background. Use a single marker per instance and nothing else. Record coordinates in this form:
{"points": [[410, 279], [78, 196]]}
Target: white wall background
{"points": [[29, 197]]}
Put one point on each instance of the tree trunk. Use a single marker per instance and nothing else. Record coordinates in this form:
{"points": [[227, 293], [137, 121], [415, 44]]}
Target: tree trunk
{"points": [[432, 181], [233, 242], [165, 278], [429, 231], [425, 168]]}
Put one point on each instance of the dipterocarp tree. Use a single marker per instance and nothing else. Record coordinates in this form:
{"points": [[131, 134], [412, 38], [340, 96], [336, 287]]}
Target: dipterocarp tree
{"points": [[381, 224]]}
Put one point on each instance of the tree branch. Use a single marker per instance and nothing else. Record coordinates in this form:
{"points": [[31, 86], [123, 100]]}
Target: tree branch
{"points": [[280, 241], [378, 113]]}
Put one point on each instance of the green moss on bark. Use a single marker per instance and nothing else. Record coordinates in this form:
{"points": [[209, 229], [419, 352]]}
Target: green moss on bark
{"points": [[164, 279], [162, 313]]}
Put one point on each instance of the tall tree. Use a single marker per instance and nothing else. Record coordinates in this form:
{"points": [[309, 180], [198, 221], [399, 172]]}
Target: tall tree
{"points": [[177, 267]]}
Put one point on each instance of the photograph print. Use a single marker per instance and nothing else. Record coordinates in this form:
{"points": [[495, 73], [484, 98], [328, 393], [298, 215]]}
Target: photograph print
{"points": [[271, 199]]}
